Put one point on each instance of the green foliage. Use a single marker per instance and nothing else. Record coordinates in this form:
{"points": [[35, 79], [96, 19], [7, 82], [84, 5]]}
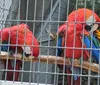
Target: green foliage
{"points": [[90, 4]]}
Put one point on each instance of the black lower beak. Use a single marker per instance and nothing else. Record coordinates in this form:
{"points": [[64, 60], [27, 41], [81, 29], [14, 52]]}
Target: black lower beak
{"points": [[88, 28], [27, 55]]}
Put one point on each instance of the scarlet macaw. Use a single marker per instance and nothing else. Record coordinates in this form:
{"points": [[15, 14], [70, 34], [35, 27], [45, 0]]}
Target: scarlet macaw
{"points": [[79, 23], [18, 36]]}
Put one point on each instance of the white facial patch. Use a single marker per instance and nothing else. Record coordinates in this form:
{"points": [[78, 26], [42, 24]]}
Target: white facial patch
{"points": [[27, 49], [90, 20]]}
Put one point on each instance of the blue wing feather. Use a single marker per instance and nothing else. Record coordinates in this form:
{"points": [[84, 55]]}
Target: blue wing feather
{"points": [[4, 47], [87, 42], [59, 44]]}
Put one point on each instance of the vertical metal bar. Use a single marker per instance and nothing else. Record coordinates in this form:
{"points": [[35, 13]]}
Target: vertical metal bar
{"points": [[57, 46], [48, 50], [63, 81], [30, 73], [2, 25], [82, 44], [25, 30], [66, 38], [38, 74], [1, 22], [68, 2], [3, 13], [89, 74], [16, 50], [34, 64], [25, 45], [74, 42], [31, 63], [98, 77], [23, 52], [6, 68]]}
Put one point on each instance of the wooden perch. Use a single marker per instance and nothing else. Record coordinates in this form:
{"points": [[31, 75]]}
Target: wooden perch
{"points": [[59, 60]]}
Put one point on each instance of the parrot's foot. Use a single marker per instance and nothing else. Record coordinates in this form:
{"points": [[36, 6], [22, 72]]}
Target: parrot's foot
{"points": [[30, 57], [4, 53], [18, 55], [76, 61], [14, 54]]}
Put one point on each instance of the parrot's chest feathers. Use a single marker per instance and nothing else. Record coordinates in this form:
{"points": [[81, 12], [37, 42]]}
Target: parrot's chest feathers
{"points": [[73, 39]]}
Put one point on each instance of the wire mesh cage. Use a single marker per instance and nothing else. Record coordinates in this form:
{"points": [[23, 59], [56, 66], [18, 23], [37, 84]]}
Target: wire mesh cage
{"points": [[49, 42]]}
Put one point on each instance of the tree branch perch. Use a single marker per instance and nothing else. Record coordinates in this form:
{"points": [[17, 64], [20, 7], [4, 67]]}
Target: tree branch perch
{"points": [[56, 60]]}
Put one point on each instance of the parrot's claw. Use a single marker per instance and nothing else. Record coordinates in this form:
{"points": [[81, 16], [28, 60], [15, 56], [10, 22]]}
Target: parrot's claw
{"points": [[4, 53], [77, 61], [25, 57], [30, 57], [18, 55]]}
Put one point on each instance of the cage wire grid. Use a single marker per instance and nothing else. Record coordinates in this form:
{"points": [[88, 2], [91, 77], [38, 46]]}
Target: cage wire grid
{"points": [[44, 17]]}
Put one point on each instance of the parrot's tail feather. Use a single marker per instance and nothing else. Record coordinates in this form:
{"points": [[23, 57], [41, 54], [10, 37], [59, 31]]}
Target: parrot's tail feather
{"points": [[76, 78], [68, 71], [18, 65], [77, 82], [10, 74], [76, 70]]}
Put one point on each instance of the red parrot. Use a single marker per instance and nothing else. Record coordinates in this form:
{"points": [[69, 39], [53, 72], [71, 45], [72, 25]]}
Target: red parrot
{"points": [[81, 21], [18, 36]]}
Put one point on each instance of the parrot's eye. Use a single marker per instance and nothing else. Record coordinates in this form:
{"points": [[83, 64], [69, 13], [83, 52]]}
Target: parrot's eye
{"points": [[88, 28]]}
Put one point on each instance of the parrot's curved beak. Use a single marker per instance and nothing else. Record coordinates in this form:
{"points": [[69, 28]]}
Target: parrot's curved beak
{"points": [[94, 27]]}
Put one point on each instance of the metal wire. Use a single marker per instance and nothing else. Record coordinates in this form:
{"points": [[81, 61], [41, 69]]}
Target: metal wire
{"points": [[34, 33], [52, 14]]}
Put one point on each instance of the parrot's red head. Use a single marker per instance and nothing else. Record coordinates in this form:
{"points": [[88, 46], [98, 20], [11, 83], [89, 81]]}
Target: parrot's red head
{"points": [[79, 19]]}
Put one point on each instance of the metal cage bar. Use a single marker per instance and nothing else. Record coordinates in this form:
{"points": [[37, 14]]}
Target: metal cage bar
{"points": [[44, 17]]}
